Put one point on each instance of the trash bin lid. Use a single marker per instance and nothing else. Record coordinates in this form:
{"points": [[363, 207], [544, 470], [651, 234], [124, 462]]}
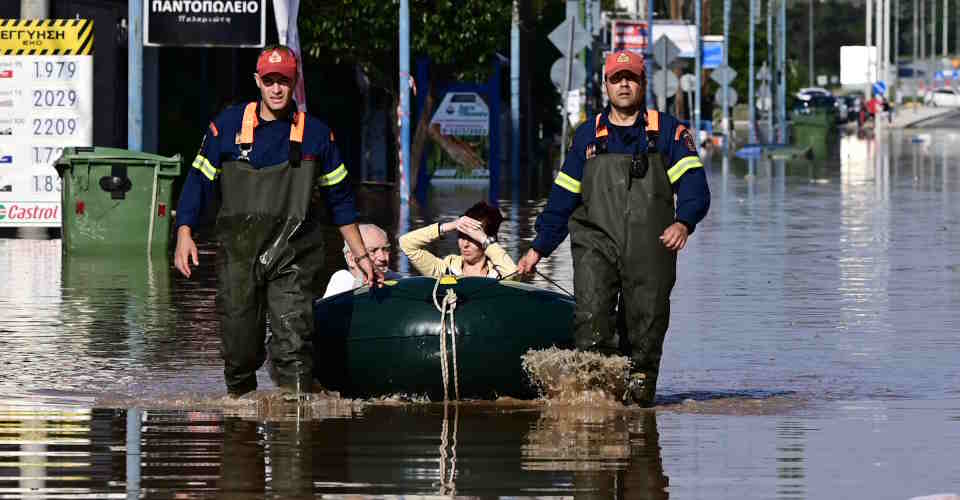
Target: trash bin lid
{"points": [[104, 153]]}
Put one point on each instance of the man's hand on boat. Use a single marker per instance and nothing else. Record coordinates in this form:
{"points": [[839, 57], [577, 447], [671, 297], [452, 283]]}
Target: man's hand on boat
{"points": [[186, 250], [528, 263]]}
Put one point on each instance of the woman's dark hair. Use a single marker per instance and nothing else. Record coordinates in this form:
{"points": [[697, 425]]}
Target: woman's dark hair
{"points": [[488, 215]]}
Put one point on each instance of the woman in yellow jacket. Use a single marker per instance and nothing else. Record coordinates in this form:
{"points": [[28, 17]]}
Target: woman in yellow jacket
{"points": [[480, 253]]}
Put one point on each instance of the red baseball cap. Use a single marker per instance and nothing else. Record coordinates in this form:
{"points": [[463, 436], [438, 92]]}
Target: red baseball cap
{"points": [[280, 60], [624, 60]]}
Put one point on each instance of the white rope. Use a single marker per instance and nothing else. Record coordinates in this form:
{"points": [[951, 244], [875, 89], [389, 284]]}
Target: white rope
{"points": [[447, 308], [447, 485]]}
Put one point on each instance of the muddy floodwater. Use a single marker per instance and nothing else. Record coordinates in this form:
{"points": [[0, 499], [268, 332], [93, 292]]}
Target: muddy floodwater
{"points": [[813, 353]]}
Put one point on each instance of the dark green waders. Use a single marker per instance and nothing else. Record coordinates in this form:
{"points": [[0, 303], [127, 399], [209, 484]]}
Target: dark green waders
{"points": [[270, 252], [617, 252]]}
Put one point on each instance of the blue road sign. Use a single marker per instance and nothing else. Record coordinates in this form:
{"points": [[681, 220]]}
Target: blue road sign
{"points": [[938, 75], [880, 87], [712, 54], [956, 74]]}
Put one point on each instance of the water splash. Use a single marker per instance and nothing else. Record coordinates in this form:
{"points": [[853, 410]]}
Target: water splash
{"points": [[577, 377]]}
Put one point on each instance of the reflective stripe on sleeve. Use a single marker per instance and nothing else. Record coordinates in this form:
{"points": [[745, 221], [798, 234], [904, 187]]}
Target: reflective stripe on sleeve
{"points": [[334, 177], [681, 167], [202, 164], [569, 183]]}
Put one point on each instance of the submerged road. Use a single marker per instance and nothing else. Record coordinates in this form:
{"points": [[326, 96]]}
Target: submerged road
{"points": [[812, 353]]}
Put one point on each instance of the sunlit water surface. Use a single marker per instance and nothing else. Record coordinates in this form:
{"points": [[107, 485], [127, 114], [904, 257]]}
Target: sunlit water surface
{"points": [[812, 353]]}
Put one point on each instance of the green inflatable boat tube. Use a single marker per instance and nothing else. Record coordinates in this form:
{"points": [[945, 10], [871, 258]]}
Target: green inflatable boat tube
{"points": [[375, 342]]}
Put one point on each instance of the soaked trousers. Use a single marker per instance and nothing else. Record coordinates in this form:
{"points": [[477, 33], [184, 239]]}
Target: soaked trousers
{"points": [[623, 275], [248, 290]]}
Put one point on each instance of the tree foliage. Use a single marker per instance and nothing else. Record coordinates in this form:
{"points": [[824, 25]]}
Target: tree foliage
{"points": [[459, 36]]}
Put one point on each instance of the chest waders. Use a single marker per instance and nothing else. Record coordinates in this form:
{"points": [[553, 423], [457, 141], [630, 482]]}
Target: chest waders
{"points": [[270, 251], [618, 255]]}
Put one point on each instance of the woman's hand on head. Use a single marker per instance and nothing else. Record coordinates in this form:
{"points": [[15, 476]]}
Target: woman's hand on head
{"points": [[471, 227]]}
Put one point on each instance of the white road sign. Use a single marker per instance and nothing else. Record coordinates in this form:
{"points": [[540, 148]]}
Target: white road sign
{"points": [[560, 37], [462, 113], [731, 96], [723, 75], [558, 73]]}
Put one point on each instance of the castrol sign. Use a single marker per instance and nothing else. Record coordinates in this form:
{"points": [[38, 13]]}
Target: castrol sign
{"points": [[30, 214]]}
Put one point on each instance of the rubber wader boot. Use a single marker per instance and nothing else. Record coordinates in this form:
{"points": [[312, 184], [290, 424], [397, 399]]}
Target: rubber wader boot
{"points": [[615, 238]]}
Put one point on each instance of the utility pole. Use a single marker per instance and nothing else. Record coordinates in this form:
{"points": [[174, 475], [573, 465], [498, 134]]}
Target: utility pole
{"points": [[650, 41], [810, 44], [869, 43], [404, 75], [588, 57], [933, 41], [34, 9], [896, 38], [697, 71], [879, 35], [945, 16], [782, 71], [726, 62], [515, 92], [886, 42], [135, 76], [922, 61], [771, 47], [750, 76], [914, 47]]}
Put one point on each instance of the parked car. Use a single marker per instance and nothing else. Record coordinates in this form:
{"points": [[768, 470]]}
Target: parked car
{"points": [[814, 103], [818, 97], [946, 96], [854, 102]]}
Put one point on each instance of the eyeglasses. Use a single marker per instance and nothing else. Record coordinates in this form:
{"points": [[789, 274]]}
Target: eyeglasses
{"points": [[384, 248]]}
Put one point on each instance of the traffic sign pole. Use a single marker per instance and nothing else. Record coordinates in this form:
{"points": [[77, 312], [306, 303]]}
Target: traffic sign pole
{"points": [[566, 90], [697, 74]]}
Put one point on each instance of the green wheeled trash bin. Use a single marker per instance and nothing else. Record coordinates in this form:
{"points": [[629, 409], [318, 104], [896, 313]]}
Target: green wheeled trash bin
{"points": [[115, 200]]}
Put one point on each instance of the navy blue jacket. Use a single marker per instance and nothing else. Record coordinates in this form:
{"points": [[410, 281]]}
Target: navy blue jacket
{"points": [[271, 146], [674, 142]]}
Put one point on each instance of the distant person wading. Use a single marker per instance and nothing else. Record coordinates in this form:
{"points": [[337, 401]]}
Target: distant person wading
{"points": [[616, 191]]}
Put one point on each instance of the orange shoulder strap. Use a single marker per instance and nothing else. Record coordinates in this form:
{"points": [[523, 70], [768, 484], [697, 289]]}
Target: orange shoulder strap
{"points": [[296, 128], [249, 123], [653, 120], [601, 129]]}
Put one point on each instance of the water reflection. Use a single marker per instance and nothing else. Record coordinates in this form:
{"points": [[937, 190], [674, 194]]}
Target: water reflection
{"points": [[467, 450]]}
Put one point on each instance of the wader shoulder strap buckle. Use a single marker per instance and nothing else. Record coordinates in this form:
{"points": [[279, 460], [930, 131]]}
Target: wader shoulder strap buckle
{"points": [[600, 142], [250, 122], [652, 129], [296, 138]]}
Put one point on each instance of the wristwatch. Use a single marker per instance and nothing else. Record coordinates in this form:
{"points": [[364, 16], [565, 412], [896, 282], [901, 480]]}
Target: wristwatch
{"points": [[489, 241]]}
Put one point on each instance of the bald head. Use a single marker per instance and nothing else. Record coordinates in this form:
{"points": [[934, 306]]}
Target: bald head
{"points": [[376, 242]]}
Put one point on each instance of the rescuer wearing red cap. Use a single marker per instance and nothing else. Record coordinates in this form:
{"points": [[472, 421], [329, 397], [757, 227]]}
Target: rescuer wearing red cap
{"points": [[615, 195], [266, 159]]}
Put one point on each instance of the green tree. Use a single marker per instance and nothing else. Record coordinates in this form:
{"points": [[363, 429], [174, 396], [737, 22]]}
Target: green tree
{"points": [[835, 24], [459, 36]]}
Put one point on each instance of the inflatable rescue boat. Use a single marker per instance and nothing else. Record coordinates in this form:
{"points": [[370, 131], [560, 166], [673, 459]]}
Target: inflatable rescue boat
{"points": [[375, 342]]}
